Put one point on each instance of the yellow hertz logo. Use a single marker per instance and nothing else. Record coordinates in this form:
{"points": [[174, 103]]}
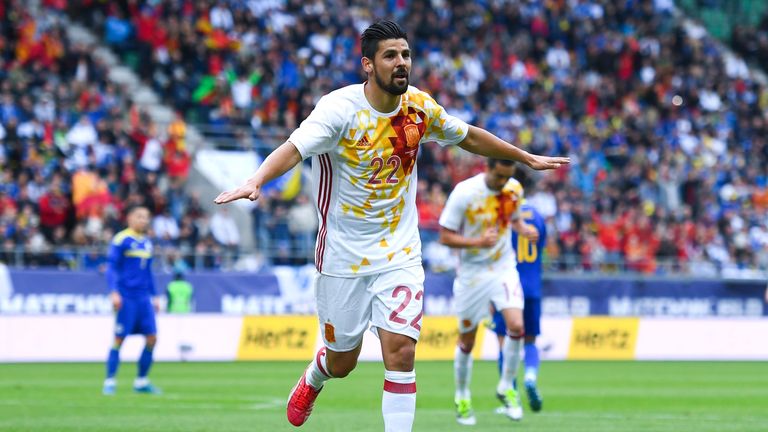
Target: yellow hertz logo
{"points": [[438, 339], [277, 338], [603, 338]]}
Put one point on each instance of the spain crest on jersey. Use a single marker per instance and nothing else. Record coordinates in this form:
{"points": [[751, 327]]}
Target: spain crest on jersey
{"points": [[412, 135]]}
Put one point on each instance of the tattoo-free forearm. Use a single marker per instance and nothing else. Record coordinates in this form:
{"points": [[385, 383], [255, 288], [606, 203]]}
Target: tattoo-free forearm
{"points": [[276, 164], [455, 240], [518, 225], [484, 143]]}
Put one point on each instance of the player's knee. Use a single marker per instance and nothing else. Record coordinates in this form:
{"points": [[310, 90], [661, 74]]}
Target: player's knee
{"points": [[515, 328], [466, 346], [151, 341], [118, 342]]}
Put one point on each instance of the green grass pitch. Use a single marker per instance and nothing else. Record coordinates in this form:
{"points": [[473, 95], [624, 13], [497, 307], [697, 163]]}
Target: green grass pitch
{"points": [[221, 397]]}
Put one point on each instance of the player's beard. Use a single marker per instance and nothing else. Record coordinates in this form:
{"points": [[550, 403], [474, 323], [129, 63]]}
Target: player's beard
{"points": [[391, 87]]}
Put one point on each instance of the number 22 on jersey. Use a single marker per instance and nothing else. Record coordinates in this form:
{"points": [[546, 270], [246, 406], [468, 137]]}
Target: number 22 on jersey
{"points": [[378, 165]]}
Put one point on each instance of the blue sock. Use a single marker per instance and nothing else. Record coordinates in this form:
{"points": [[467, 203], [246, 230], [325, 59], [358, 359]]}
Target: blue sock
{"points": [[145, 362], [531, 360], [501, 361], [113, 361]]}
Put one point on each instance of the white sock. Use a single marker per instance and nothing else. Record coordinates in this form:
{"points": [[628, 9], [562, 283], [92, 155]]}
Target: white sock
{"points": [[509, 365], [110, 381], [462, 368], [398, 404], [141, 382], [317, 371]]}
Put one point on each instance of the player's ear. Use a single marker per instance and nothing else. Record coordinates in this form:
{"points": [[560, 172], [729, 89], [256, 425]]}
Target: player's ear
{"points": [[367, 65]]}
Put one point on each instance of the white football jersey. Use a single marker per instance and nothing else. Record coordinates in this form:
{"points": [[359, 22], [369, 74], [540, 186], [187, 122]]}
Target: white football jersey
{"points": [[364, 177], [472, 208]]}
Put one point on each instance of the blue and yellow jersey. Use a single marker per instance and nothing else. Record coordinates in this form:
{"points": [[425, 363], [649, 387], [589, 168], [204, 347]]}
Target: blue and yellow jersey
{"points": [[129, 268], [529, 254]]}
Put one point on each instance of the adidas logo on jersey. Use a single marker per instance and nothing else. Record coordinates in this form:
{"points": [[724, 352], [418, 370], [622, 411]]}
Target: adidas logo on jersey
{"points": [[363, 142]]}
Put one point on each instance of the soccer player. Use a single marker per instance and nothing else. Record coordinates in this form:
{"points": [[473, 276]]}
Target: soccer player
{"points": [[129, 275], [477, 218], [363, 140], [529, 255]]}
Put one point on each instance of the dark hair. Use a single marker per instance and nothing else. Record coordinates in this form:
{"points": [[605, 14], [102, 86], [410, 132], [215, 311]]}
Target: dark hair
{"points": [[525, 179], [382, 30], [133, 208], [493, 162]]}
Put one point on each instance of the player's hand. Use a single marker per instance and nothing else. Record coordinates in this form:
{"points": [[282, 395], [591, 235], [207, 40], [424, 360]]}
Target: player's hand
{"points": [[248, 190], [530, 232], [117, 301], [156, 304], [766, 294], [489, 238], [538, 162]]}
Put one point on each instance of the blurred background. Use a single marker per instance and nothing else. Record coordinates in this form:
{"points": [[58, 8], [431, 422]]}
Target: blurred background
{"points": [[661, 105]]}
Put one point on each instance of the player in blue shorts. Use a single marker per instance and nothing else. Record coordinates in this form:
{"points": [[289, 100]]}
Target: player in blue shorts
{"points": [[529, 266], [132, 290]]}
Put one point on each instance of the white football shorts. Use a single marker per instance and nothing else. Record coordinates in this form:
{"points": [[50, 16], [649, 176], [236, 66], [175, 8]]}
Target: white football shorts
{"points": [[392, 301], [475, 288]]}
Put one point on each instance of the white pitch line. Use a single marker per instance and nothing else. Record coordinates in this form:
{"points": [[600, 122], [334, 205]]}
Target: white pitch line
{"points": [[652, 416], [274, 403]]}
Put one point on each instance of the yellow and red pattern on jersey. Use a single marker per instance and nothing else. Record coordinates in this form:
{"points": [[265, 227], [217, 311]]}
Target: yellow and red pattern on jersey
{"points": [[495, 211], [382, 157], [365, 167]]}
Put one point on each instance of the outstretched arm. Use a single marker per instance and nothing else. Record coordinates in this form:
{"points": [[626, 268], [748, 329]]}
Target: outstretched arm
{"points": [[484, 143], [276, 164]]}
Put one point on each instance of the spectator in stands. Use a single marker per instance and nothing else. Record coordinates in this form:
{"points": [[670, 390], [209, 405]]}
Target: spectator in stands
{"points": [[303, 224], [165, 228], [208, 252], [279, 234], [224, 231], [54, 208], [151, 159], [655, 115]]}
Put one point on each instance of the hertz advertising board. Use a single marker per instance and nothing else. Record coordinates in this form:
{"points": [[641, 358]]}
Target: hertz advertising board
{"points": [[603, 338], [277, 338], [438, 339]]}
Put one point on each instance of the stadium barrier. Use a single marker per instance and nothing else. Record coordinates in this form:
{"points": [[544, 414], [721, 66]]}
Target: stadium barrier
{"points": [[216, 337], [288, 290], [48, 315]]}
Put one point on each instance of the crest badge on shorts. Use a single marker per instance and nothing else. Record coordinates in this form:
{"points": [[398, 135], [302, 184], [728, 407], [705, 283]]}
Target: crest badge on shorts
{"points": [[412, 135], [329, 335]]}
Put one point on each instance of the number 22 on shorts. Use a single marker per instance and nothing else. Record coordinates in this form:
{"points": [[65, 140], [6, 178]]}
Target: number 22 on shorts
{"points": [[395, 317]]}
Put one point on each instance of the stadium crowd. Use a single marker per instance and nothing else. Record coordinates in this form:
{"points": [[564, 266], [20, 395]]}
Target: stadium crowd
{"points": [[74, 153], [665, 130]]}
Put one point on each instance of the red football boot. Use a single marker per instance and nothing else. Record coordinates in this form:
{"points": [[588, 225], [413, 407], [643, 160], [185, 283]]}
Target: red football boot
{"points": [[301, 401]]}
